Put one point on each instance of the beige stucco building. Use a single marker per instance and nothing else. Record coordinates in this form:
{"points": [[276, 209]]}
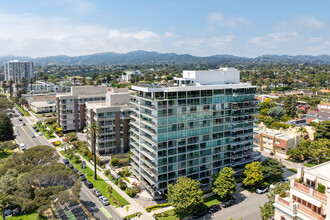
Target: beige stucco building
{"points": [[303, 201], [112, 115]]}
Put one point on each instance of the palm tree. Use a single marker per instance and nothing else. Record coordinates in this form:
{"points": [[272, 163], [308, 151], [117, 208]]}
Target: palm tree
{"points": [[94, 131], [74, 81], [31, 82], [45, 78], [11, 82], [4, 86]]}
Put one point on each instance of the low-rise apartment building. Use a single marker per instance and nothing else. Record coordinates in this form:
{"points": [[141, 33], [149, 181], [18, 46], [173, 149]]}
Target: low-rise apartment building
{"points": [[276, 142], [71, 106], [304, 201], [112, 115], [43, 106], [195, 127]]}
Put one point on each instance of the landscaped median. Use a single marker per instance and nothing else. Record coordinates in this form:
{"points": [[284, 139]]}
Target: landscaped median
{"points": [[116, 199]]}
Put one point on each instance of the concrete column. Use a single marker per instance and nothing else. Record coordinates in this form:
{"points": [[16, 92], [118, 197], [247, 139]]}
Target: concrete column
{"points": [[58, 112], [76, 115], [300, 171], [117, 124]]}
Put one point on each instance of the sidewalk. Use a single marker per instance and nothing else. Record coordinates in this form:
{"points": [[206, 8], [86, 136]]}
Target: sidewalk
{"points": [[133, 208]]}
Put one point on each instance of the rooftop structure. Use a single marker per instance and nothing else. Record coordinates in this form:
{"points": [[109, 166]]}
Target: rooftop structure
{"points": [[201, 124]]}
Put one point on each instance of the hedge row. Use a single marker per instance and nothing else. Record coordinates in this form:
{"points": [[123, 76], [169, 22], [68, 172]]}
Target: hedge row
{"points": [[155, 207]]}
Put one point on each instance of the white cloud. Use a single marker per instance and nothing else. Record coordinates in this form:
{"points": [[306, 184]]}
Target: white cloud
{"points": [[300, 22], [32, 35], [230, 22], [169, 35], [314, 40], [271, 38]]}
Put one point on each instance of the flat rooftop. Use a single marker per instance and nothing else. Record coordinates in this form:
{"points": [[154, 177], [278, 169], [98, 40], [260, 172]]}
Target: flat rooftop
{"points": [[173, 88], [321, 170]]}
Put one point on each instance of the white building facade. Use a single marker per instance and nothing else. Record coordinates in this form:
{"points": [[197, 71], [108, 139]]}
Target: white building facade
{"points": [[17, 70]]}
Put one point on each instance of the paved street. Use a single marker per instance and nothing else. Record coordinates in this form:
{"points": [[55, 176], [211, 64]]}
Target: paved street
{"points": [[88, 206]]}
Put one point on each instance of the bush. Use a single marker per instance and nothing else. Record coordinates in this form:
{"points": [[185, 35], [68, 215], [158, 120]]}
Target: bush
{"points": [[155, 207], [114, 162], [50, 121], [124, 172], [72, 136], [121, 183], [123, 161], [109, 189], [320, 188], [90, 155], [130, 191], [107, 172]]}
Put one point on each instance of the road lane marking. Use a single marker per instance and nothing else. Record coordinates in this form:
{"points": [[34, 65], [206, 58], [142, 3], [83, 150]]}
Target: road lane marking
{"points": [[28, 136], [82, 206]]}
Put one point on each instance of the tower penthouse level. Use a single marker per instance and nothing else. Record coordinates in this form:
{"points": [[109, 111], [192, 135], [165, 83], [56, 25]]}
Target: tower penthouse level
{"points": [[195, 127]]}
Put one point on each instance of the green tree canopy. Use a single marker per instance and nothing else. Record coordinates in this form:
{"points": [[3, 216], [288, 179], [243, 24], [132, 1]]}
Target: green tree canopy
{"points": [[323, 130], [6, 128], [272, 168], [290, 104], [276, 112], [294, 154], [224, 185], [253, 174], [185, 195]]}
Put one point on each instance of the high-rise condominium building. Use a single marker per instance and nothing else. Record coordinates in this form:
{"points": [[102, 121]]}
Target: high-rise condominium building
{"points": [[17, 70], [112, 115], [201, 124], [71, 106]]}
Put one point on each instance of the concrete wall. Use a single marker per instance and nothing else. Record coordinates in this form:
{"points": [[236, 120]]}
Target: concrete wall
{"points": [[221, 76]]}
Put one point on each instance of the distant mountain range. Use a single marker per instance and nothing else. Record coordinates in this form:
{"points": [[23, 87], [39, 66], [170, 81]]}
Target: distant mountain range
{"points": [[145, 57]]}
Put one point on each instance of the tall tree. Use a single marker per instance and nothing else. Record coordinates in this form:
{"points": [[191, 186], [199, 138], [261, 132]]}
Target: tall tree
{"points": [[253, 174], [31, 83], [224, 185], [323, 130], [6, 128], [290, 104], [185, 196], [272, 168], [276, 112], [11, 82], [4, 86], [94, 131]]}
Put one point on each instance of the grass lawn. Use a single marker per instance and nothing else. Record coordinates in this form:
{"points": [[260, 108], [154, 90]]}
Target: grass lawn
{"points": [[43, 131], [314, 162], [99, 184], [209, 201], [26, 113], [30, 216], [293, 170]]}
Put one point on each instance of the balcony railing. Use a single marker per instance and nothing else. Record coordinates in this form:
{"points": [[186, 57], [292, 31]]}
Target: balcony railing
{"points": [[301, 187], [310, 212], [284, 201], [319, 195]]}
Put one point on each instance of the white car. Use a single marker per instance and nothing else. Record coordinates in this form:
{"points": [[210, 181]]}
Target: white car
{"points": [[40, 133], [272, 186], [262, 190], [104, 200], [22, 146]]}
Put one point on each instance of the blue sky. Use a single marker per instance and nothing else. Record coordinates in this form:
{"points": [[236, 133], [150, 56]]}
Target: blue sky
{"points": [[204, 27]]}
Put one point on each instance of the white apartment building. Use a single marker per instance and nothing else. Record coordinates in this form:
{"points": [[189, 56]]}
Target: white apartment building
{"points": [[43, 106], [303, 201], [195, 128], [17, 70], [71, 106], [127, 76], [41, 87], [112, 115]]}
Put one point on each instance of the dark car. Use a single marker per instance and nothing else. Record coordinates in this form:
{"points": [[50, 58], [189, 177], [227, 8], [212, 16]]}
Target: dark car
{"points": [[75, 170], [34, 127], [70, 166], [228, 203], [82, 177], [97, 192], [214, 208], [89, 184], [20, 119], [24, 124], [37, 130], [66, 161], [284, 180], [200, 213]]}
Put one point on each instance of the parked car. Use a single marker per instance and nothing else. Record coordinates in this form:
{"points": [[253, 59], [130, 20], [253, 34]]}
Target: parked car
{"points": [[97, 192], [284, 180], [24, 124], [228, 203], [104, 200], [22, 146], [89, 184], [272, 186], [34, 127], [39, 133], [33, 136], [37, 130], [70, 166], [8, 212], [66, 161], [262, 189], [20, 119], [214, 208], [82, 177], [200, 213], [75, 170]]}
